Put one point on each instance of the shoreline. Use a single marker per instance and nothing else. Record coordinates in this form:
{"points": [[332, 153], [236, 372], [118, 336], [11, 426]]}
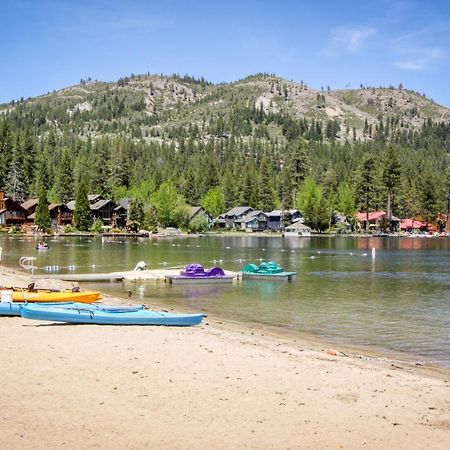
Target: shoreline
{"points": [[315, 342], [218, 384]]}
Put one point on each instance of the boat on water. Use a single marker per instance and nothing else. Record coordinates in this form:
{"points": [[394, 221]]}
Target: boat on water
{"points": [[196, 273], [41, 246], [82, 315], [14, 308], [31, 294], [269, 270]]}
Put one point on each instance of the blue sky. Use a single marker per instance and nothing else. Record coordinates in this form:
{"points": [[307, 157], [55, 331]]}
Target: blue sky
{"points": [[51, 44]]}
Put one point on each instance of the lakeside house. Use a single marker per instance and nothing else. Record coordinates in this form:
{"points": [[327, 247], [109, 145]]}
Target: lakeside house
{"points": [[377, 221], [253, 221], [411, 225], [11, 212], [298, 229], [119, 217], [198, 212], [231, 219]]}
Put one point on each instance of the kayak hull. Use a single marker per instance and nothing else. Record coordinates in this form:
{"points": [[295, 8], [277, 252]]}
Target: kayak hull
{"points": [[14, 308], [47, 296], [99, 317]]}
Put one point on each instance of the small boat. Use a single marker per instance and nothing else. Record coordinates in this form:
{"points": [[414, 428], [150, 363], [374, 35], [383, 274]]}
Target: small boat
{"points": [[41, 246], [269, 270], [14, 308], [196, 273], [30, 294], [83, 315]]}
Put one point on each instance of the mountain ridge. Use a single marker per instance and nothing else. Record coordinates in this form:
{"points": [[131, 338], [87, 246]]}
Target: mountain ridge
{"points": [[155, 104]]}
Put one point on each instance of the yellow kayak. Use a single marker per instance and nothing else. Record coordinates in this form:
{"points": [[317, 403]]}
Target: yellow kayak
{"points": [[51, 295]]}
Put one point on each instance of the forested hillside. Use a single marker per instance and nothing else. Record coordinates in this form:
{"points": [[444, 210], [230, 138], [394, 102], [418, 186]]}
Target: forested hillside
{"points": [[262, 141]]}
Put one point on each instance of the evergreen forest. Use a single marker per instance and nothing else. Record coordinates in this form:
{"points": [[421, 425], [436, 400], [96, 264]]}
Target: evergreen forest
{"points": [[168, 142]]}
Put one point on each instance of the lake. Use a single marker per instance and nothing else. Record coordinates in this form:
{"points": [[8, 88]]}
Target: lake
{"points": [[397, 301]]}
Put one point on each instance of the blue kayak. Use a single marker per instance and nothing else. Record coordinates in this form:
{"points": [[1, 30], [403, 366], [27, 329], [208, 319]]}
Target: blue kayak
{"points": [[108, 317], [13, 308]]}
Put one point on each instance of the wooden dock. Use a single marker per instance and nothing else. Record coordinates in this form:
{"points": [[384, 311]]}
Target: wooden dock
{"points": [[151, 275]]}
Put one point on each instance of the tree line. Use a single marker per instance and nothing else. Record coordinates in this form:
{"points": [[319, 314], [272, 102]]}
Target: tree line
{"points": [[405, 172]]}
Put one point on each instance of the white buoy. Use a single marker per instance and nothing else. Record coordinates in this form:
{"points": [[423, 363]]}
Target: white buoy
{"points": [[373, 252]]}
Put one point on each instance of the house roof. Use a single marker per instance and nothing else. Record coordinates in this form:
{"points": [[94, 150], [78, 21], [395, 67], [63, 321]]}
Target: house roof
{"points": [[238, 211], [30, 203], [101, 204], [193, 210], [297, 226], [71, 205], [406, 224], [54, 205], [94, 197], [361, 216], [124, 202]]}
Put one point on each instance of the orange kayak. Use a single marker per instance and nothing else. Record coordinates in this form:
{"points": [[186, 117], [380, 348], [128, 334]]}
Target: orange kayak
{"points": [[52, 295]]}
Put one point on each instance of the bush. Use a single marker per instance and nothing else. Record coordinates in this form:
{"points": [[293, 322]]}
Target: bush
{"points": [[70, 229], [97, 226]]}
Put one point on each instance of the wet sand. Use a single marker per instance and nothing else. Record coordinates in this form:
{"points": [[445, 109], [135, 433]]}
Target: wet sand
{"points": [[219, 385]]}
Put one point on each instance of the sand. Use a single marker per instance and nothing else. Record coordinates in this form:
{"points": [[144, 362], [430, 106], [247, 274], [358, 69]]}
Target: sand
{"points": [[218, 385]]}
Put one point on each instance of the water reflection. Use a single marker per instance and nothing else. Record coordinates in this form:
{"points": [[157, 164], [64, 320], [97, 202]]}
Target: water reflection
{"points": [[399, 299]]}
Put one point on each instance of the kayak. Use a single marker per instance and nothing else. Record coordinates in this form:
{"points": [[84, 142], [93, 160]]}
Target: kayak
{"points": [[83, 315], [53, 295], [13, 308]]}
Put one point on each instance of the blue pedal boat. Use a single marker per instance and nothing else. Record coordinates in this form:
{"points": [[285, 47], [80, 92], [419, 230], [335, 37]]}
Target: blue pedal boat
{"points": [[269, 270], [82, 315]]}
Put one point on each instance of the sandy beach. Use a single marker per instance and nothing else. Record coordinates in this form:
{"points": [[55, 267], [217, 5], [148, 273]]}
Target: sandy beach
{"points": [[218, 385]]}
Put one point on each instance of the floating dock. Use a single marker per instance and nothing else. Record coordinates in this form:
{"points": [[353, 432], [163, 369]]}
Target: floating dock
{"points": [[180, 279], [281, 276], [155, 275]]}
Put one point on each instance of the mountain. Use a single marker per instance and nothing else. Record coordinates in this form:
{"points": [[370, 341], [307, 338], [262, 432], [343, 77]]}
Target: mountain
{"points": [[156, 107], [263, 142]]}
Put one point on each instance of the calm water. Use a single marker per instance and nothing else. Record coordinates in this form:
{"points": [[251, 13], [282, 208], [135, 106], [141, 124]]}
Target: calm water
{"points": [[398, 301]]}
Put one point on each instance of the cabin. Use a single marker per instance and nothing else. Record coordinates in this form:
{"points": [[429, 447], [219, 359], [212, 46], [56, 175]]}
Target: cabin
{"points": [[197, 212], [298, 229], [253, 221], [60, 215], [377, 221], [30, 205], [120, 214], [11, 212], [412, 225], [277, 218], [231, 219], [104, 210]]}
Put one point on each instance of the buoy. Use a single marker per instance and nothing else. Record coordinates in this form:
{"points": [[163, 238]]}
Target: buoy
{"points": [[373, 252]]}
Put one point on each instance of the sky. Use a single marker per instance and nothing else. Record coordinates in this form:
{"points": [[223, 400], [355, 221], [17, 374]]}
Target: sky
{"points": [[47, 45]]}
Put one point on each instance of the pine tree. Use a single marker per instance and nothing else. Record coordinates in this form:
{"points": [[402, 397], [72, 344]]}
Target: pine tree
{"points": [[15, 185], [64, 178], [313, 205], [135, 214], [82, 215], [365, 189], [266, 192], [42, 217], [390, 178]]}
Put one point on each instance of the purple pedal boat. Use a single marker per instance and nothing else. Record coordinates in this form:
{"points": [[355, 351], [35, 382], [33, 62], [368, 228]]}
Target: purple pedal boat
{"points": [[196, 273]]}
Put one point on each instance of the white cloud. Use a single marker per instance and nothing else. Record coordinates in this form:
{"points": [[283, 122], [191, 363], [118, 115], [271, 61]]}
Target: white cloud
{"points": [[420, 59], [348, 39]]}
